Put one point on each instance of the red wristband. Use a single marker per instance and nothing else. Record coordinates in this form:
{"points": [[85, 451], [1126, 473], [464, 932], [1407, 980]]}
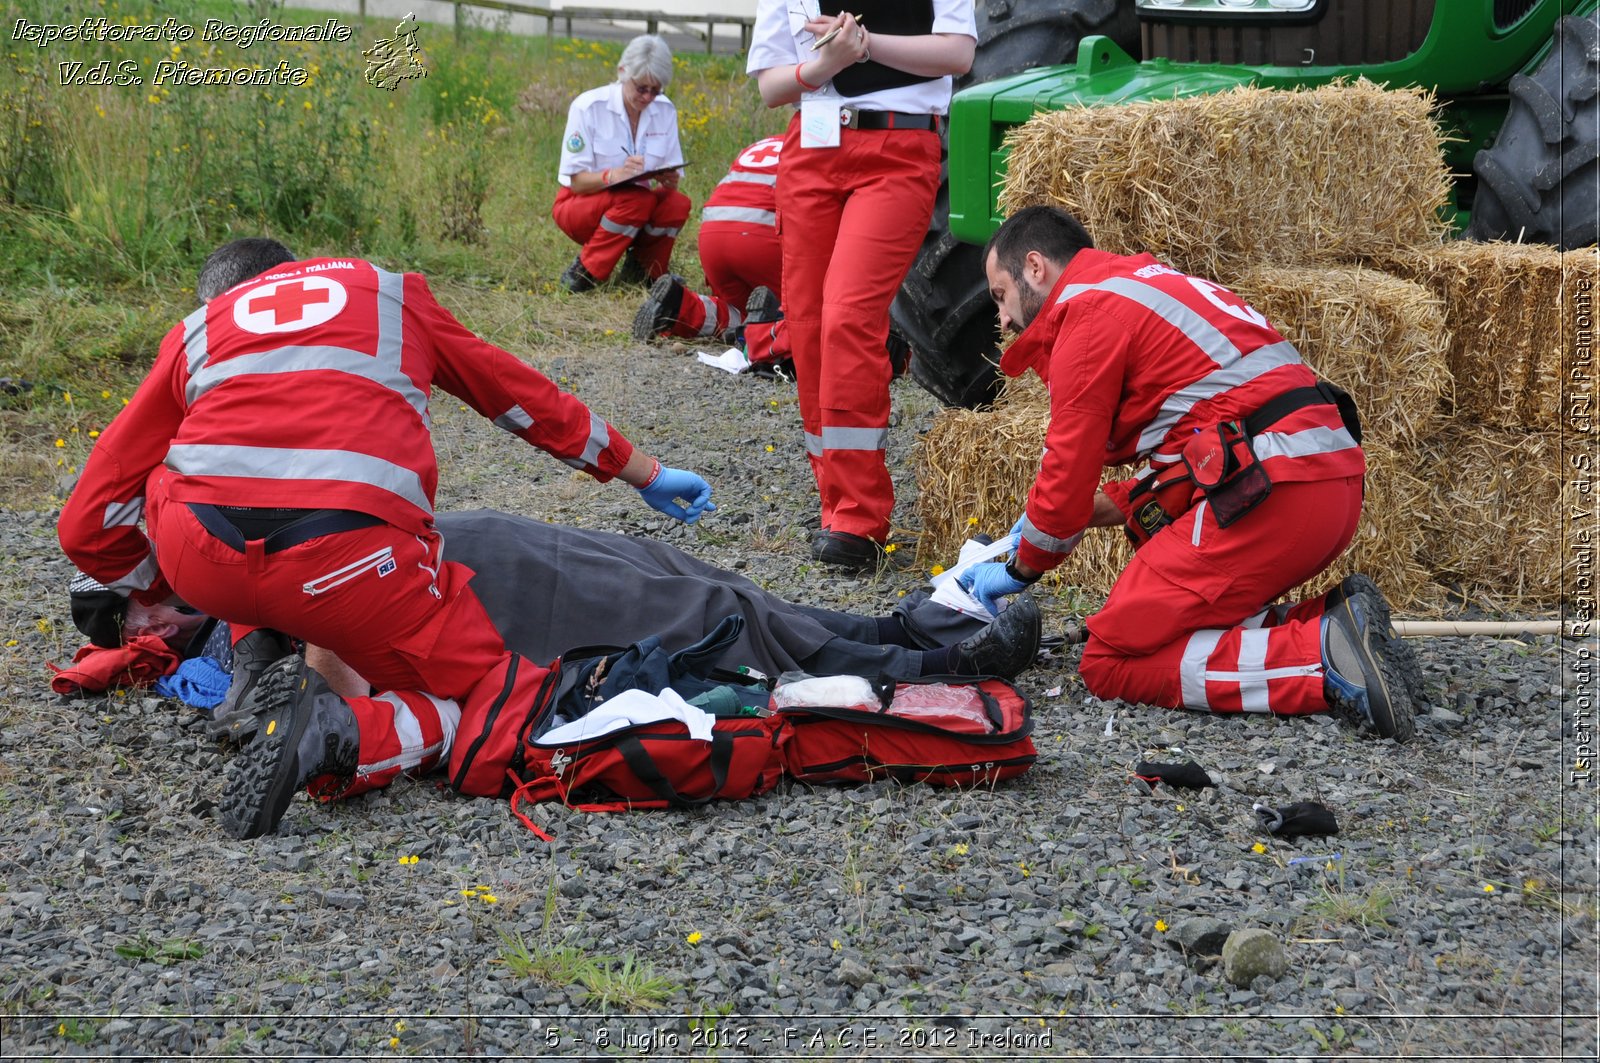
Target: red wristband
{"points": [[655, 474], [802, 81]]}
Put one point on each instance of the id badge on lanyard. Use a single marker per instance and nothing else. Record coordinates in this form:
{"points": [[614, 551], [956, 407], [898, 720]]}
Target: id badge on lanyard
{"points": [[819, 115]]}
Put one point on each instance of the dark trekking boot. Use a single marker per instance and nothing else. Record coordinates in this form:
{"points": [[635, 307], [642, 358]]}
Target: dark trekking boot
{"points": [[1399, 650], [252, 656], [762, 307], [306, 731], [631, 271], [660, 310], [1006, 646], [576, 279], [1361, 680]]}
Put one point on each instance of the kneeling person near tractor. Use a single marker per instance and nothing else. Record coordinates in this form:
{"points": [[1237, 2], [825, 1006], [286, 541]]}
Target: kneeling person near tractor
{"points": [[1252, 485]]}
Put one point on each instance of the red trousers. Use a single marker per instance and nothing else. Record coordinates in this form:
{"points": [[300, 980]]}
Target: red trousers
{"points": [[737, 258], [385, 602], [851, 220], [609, 223], [1186, 625]]}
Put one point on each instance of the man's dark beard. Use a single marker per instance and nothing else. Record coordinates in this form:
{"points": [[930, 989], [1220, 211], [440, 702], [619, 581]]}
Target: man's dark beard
{"points": [[1030, 302]]}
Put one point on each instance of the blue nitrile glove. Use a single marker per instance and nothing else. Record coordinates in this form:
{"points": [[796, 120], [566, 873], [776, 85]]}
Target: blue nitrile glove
{"points": [[1016, 529], [989, 582], [669, 485]]}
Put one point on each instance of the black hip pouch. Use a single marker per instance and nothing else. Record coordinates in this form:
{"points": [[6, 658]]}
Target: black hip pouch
{"points": [[1222, 462]]}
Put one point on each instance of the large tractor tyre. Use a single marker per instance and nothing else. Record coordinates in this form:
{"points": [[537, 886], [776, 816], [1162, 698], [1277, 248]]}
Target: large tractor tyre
{"points": [[1540, 181], [943, 307]]}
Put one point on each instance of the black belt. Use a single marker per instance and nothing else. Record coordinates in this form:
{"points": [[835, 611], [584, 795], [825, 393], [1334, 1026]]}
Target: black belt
{"points": [[279, 529], [853, 119], [1321, 394]]}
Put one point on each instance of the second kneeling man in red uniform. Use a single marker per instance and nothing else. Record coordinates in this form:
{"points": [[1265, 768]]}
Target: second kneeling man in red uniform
{"points": [[1251, 484]]}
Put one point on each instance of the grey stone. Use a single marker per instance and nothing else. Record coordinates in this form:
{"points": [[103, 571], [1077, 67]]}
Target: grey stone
{"points": [[1203, 935], [853, 973], [1248, 954]]}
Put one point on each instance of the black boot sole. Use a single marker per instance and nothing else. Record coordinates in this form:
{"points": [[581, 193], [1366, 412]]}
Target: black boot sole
{"points": [[263, 777]]}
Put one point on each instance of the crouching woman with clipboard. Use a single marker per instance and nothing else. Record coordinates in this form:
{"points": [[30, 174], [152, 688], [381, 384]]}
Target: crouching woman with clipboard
{"points": [[620, 162]]}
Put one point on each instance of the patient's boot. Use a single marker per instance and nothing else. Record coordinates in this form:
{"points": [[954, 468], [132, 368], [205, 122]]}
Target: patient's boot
{"points": [[1004, 648], [306, 731], [1362, 680]]}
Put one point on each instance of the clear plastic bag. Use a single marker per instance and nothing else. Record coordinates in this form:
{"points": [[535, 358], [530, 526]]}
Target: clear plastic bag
{"points": [[955, 708], [827, 692]]}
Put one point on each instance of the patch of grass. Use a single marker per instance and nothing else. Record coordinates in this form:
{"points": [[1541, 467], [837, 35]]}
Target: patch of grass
{"points": [[553, 965], [627, 984], [1340, 907]]}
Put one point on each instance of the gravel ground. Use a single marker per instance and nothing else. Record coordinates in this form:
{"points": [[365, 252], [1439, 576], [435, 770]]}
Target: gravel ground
{"points": [[1453, 915]]}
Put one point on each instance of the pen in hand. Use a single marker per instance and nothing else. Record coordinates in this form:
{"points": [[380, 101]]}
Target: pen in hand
{"points": [[831, 34]]}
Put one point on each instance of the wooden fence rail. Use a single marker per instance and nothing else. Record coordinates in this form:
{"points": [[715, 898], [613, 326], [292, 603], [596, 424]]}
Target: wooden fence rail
{"points": [[688, 24]]}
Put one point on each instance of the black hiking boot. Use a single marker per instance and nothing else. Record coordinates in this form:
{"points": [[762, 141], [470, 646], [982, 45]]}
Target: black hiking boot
{"points": [[660, 310], [632, 271], [252, 655], [576, 279], [762, 307], [847, 551], [306, 731], [1006, 646], [1361, 679]]}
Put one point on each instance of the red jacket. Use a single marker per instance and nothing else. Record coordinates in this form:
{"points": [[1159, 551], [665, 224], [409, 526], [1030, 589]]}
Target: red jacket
{"points": [[748, 194], [308, 387], [1137, 357]]}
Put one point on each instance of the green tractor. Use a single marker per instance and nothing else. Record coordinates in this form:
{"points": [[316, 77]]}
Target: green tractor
{"points": [[1519, 81]]}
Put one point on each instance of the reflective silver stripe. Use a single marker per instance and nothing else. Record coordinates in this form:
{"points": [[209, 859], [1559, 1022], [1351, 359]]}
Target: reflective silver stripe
{"points": [[657, 230], [740, 177], [194, 340], [515, 419], [1198, 330], [280, 463], [854, 438], [813, 445], [599, 439], [1192, 669], [1252, 668], [1199, 519], [1048, 543], [754, 215], [1303, 443], [391, 301], [408, 729], [709, 325], [1257, 363], [381, 371], [122, 514], [615, 227], [143, 574]]}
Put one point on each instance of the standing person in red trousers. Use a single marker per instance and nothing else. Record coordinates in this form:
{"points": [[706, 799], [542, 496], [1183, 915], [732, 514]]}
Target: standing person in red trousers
{"points": [[856, 187], [1251, 485], [279, 452], [619, 172]]}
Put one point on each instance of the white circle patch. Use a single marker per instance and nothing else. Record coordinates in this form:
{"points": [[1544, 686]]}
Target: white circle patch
{"points": [[289, 305]]}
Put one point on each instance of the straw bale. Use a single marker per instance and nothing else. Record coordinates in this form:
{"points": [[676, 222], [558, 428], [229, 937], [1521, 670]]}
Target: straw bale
{"points": [[1516, 314], [1386, 544], [1379, 337], [1215, 183], [1503, 512]]}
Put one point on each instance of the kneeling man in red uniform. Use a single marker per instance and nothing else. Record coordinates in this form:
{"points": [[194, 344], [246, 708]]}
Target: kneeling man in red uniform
{"points": [[279, 453], [1251, 484]]}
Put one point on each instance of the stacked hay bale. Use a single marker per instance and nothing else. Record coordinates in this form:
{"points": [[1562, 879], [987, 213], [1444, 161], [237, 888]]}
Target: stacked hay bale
{"points": [[1321, 208]]}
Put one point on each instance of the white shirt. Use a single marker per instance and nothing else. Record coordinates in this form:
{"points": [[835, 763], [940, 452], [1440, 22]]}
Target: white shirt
{"points": [[780, 39], [599, 136]]}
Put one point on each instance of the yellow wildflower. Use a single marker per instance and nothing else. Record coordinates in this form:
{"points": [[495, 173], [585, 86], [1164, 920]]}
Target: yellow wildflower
{"points": [[694, 938], [1161, 926], [1258, 848]]}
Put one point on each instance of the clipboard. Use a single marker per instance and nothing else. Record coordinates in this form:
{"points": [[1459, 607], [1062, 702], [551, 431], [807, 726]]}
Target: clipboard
{"points": [[647, 175]]}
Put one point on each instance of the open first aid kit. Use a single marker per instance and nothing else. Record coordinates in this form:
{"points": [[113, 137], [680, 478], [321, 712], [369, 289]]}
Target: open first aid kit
{"points": [[641, 728]]}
